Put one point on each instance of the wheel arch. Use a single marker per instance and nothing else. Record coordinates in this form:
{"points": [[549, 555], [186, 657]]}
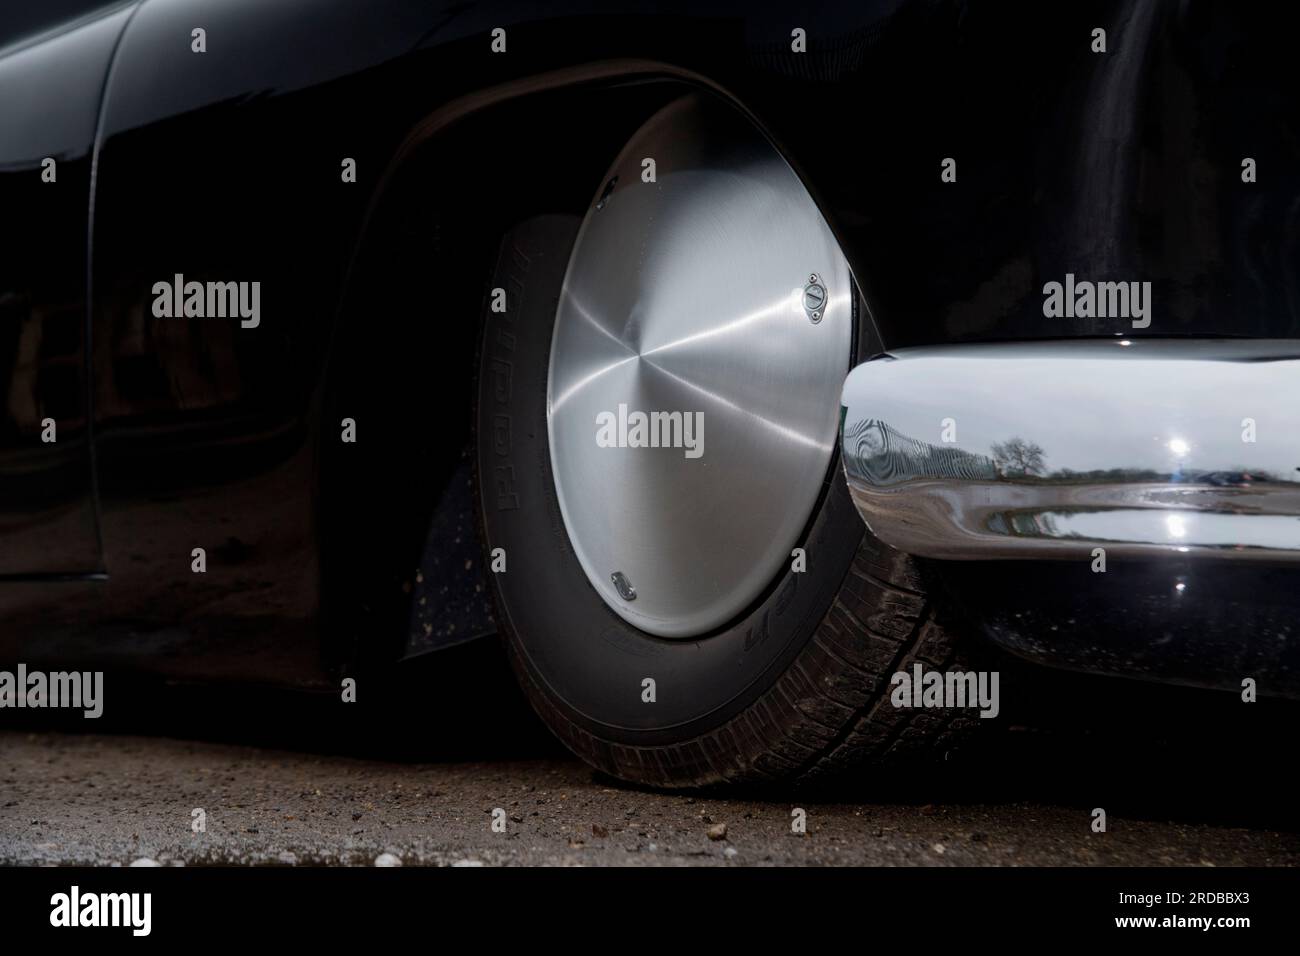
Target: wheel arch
{"points": [[393, 507]]}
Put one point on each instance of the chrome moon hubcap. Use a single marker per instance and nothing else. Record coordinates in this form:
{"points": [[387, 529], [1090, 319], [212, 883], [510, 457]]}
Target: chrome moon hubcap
{"points": [[693, 400]]}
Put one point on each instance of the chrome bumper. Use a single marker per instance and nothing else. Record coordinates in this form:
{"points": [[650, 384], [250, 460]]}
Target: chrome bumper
{"points": [[1141, 447]]}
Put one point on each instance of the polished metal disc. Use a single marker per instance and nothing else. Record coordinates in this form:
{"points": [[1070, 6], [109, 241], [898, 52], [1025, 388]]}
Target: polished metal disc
{"points": [[701, 341]]}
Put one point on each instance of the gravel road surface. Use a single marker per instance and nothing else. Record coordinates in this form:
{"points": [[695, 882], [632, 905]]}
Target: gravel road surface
{"points": [[300, 780]]}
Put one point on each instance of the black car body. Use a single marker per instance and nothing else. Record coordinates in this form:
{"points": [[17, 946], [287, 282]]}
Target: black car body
{"points": [[227, 165]]}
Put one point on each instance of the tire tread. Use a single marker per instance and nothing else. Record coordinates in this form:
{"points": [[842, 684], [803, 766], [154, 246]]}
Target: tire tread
{"points": [[828, 713]]}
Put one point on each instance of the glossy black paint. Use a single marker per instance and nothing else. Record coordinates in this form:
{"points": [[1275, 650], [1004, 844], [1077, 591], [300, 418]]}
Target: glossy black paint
{"points": [[1202, 623], [51, 93], [226, 166]]}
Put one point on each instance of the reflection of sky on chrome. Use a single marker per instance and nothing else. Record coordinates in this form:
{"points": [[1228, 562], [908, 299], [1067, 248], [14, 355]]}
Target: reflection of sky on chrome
{"points": [[1088, 412], [1190, 529]]}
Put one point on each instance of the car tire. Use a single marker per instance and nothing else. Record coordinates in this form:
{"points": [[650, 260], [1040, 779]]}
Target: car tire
{"points": [[796, 689]]}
